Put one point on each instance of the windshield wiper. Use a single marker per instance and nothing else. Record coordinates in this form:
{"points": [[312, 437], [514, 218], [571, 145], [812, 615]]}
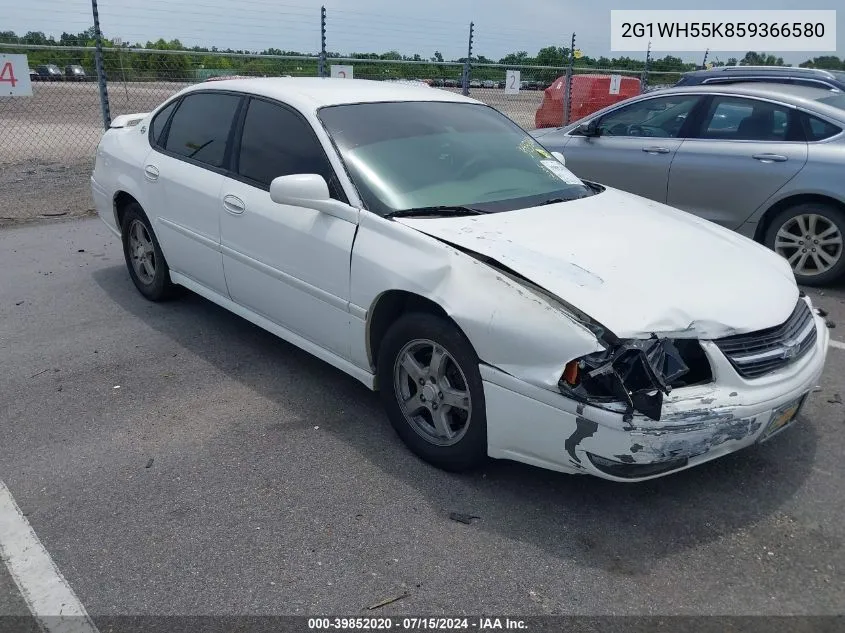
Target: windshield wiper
{"points": [[556, 200], [438, 210]]}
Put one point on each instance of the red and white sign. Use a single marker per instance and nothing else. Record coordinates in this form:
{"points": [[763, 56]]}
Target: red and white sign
{"points": [[14, 76]]}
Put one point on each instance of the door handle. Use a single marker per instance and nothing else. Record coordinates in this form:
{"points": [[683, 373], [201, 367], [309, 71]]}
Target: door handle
{"points": [[150, 172], [233, 204], [656, 150], [770, 158]]}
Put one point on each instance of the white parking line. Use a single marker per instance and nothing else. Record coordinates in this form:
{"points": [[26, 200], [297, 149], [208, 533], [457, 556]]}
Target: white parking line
{"points": [[837, 344], [45, 590]]}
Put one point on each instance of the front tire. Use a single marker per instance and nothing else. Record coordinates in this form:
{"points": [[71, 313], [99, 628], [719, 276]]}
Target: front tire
{"points": [[432, 392], [810, 237], [143, 255]]}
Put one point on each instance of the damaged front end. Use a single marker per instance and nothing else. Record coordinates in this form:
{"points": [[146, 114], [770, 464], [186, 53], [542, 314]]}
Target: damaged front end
{"points": [[634, 375]]}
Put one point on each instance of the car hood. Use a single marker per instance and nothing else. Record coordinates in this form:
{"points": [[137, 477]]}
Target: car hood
{"points": [[636, 266]]}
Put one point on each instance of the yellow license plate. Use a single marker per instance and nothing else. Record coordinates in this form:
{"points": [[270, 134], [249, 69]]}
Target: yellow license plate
{"points": [[782, 417]]}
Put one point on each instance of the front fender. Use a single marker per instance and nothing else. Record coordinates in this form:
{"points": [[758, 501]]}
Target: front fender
{"points": [[511, 326]]}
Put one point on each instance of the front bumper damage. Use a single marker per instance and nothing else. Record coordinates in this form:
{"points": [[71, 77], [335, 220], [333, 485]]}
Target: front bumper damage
{"points": [[634, 373], [695, 423]]}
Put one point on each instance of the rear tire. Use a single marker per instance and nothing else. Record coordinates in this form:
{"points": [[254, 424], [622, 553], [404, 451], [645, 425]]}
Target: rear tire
{"points": [[144, 259], [811, 237], [431, 389]]}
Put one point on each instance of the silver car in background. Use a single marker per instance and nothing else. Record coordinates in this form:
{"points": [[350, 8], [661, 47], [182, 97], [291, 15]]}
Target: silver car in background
{"points": [[766, 160]]}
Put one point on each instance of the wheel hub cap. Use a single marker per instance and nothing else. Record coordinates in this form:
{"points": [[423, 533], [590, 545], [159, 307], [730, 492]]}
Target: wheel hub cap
{"points": [[141, 252], [810, 242], [432, 392]]}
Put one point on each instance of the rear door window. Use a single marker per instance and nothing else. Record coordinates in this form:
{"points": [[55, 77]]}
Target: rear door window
{"points": [[200, 127], [739, 119]]}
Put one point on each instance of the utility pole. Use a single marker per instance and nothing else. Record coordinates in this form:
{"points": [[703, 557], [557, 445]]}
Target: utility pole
{"points": [[644, 81], [322, 63], [101, 71], [467, 67], [567, 95], [704, 61]]}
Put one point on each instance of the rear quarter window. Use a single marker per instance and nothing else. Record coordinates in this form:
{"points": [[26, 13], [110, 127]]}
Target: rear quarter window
{"points": [[160, 122], [818, 130]]}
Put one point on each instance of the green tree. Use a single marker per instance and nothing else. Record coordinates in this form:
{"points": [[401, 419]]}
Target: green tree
{"points": [[829, 62], [552, 56], [515, 59], [761, 59]]}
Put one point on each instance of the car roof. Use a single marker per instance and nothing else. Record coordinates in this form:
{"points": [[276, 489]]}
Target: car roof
{"points": [[758, 70], [802, 96], [312, 93]]}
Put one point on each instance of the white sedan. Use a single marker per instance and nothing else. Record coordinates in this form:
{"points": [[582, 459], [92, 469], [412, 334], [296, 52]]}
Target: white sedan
{"points": [[425, 244]]}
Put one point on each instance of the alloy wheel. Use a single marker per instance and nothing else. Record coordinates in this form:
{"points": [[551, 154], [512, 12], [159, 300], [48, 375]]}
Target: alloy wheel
{"points": [[432, 392], [811, 243], [142, 252]]}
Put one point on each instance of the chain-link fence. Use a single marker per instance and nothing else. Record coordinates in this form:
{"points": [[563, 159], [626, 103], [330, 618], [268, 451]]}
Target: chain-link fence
{"points": [[49, 139]]}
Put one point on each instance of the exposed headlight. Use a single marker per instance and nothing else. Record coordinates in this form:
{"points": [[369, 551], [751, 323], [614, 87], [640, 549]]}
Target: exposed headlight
{"points": [[633, 374]]}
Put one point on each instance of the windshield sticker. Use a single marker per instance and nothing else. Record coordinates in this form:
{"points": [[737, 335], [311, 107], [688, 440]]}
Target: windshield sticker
{"points": [[527, 145], [557, 168], [542, 152]]}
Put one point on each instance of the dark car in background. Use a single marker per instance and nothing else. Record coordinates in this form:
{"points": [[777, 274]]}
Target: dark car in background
{"points": [[75, 72], [816, 77], [48, 72]]}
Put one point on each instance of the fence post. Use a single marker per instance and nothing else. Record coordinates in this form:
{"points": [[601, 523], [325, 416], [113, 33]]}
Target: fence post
{"points": [[644, 80], [101, 71], [322, 64], [567, 94], [467, 66]]}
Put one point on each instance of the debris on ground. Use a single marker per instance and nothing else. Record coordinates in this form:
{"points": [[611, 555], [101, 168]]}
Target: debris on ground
{"points": [[149, 463], [81, 250], [384, 603], [43, 371], [462, 518], [836, 399], [19, 303]]}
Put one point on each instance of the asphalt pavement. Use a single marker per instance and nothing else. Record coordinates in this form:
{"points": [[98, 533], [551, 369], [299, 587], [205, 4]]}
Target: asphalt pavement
{"points": [[174, 459]]}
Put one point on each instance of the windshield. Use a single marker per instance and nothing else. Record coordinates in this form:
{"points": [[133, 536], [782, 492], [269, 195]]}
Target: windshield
{"points": [[412, 155]]}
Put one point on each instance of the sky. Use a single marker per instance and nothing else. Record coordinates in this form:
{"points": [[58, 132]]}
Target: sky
{"points": [[501, 26]]}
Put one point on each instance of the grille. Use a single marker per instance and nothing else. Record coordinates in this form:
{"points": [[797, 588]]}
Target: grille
{"points": [[758, 353]]}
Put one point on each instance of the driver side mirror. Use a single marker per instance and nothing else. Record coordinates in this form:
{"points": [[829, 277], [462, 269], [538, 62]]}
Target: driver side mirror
{"points": [[310, 191], [591, 128]]}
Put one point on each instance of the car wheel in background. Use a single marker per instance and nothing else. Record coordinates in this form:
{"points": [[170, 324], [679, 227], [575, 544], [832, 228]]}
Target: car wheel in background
{"points": [[810, 236], [431, 388], [144, 258]]}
